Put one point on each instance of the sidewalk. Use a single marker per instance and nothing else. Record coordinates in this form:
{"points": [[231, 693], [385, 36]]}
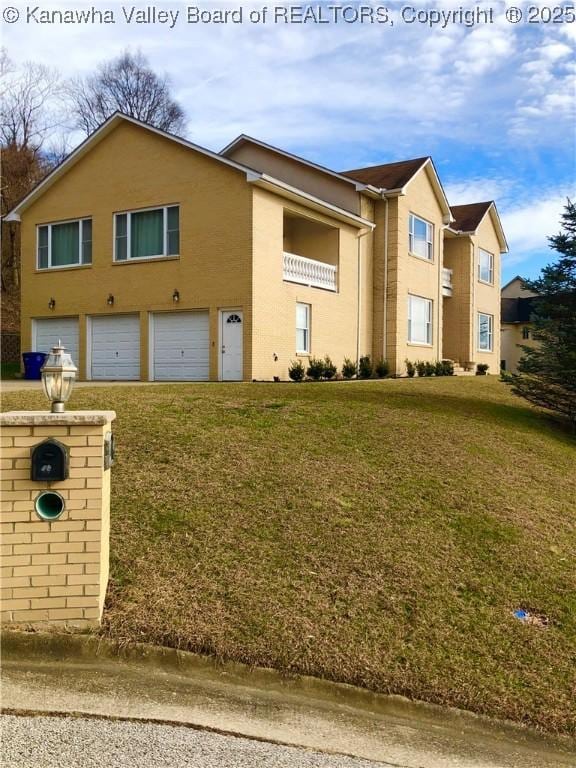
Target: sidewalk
{"points": [[84, 675]]}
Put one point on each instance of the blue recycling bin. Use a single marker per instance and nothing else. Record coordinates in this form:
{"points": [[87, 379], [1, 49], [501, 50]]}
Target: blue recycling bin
{"points": [[33, 362]]}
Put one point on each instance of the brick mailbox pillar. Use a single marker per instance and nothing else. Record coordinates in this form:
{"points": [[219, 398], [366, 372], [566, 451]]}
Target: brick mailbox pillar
{"points": [[55, 545]]}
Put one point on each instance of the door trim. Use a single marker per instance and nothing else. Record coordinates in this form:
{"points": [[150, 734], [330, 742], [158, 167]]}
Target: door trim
{"points": [[221, 312]]}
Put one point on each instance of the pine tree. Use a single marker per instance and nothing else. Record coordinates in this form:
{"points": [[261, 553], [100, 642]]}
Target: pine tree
{"points": [[547, 372]]}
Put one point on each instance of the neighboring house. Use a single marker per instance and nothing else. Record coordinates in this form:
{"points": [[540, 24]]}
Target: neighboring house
{"points": [[155, 259], [517, 327]]}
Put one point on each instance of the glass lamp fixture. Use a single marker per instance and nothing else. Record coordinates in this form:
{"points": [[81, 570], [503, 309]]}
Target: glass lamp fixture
{"points": [[110, 300], [51, 303], [58, 374], [176, 296]]}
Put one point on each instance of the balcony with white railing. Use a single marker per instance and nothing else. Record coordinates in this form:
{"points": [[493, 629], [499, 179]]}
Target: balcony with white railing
{"points": [[316, 274], [446, 282]]}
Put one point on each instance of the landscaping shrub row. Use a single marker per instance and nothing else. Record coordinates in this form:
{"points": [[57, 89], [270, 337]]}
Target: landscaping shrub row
{"points": [[323, 369], [439, 368]]}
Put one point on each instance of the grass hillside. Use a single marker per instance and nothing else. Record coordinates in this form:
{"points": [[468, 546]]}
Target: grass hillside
{"points": [[376, 533]]}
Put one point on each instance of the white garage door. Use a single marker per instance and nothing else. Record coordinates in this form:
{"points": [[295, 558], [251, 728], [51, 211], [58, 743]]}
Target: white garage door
{"points": [[48, 332], [115, 347], [181, 346]]}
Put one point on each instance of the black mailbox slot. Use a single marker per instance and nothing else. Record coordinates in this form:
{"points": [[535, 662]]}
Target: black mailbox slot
{"points": [[50, 461]]}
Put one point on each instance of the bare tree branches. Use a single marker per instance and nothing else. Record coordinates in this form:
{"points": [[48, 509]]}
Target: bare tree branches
{"points": [[27, 104], [126, 84]]}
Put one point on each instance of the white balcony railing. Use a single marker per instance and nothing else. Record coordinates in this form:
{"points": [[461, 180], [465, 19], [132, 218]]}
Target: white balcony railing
{"points": [[446, 282], [317, 274]]}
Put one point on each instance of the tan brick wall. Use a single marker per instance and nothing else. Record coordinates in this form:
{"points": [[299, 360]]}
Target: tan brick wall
{"points": [[57, 571], [458, 309]]}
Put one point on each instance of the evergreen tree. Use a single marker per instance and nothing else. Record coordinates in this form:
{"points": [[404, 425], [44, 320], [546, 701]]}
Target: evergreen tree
{"points": [[547, 372]]}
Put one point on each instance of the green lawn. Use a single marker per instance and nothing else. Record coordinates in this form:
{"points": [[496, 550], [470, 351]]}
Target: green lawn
{"points": [[376, 533]]}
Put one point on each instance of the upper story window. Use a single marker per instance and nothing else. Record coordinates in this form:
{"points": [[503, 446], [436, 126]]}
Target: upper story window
{"points": [[485, 266], [421, 238], [485, 332], [303, 328], [64, 244], [147, 234], [419, 320]]}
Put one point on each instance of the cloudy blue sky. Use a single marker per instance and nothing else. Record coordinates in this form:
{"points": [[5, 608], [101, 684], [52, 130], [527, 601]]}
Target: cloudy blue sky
{"points": [[494, 105]]}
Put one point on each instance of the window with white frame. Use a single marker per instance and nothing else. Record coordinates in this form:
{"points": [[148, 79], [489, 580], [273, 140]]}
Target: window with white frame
{"points": [[485, 332], [421, 238], [147, 234], [64, 244], [303, 328], [485, 266], [419, 320]]}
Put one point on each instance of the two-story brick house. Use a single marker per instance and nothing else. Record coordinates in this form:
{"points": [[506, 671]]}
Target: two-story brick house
{"points": [[155, 259]]}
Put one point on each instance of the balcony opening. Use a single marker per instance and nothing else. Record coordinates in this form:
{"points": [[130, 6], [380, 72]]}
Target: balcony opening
{"points": [[311, 252]]}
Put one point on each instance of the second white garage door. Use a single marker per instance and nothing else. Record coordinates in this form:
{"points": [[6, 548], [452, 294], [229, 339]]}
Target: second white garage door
{"points": [[181, 346], [115, 347]]}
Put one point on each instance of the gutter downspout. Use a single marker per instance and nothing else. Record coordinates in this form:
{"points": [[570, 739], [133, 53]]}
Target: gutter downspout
{"points": [[385, 317]]}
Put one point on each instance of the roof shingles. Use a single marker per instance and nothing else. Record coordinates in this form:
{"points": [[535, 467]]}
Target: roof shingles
{"points": [[468, 217], [389, 175]]}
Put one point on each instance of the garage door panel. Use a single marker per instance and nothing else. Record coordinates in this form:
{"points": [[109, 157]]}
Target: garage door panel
{"points": [[181, 346], [116, 347], [50, 331]]}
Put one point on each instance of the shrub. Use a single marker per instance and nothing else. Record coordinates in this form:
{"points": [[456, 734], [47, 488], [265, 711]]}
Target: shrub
{"points": [[429, 369], [421, 368], [481, 369], [296, 370], [448, 367], [382, 368], [348, 368], [365, 369], [439, 368], [330, 369], [315, 368], [410, 368]]}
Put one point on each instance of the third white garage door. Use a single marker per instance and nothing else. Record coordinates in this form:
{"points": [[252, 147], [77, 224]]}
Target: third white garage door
{"points": [[181, 346], [115, 347]]}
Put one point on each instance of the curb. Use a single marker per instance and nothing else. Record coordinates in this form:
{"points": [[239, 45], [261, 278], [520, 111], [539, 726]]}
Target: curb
{"points": [[64, 647]]}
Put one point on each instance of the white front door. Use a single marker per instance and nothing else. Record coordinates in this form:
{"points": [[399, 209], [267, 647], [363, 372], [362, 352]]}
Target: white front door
{"points": [[115, 347], [231, 345]]}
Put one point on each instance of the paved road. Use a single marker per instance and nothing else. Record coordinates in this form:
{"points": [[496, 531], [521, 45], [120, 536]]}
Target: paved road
{"points": [[64, 742]]}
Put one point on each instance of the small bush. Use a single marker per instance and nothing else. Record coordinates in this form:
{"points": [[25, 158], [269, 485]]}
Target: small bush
{"points": [[365, 369], [330, 369], [348, 368], [410, 368], [481, 369], [448, 367], [296, 370], [315, 368], [429, 369], [421, 368], [382, 368], [439, 368]]}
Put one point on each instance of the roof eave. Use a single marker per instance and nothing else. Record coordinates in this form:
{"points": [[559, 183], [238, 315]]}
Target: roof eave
{"points": [[94, 138], [297, 195]]}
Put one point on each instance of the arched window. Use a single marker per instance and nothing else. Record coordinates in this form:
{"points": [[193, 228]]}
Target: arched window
{"points": [[234, 319]]}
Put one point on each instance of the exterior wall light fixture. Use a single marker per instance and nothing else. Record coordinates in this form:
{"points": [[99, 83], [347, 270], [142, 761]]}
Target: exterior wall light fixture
{"points": [[51, 303], [110, 300], [176, 296], [58, 374]]}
